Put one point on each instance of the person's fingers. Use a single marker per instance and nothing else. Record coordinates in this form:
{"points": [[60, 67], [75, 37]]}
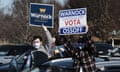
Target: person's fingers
{"points": [[86, 28]]}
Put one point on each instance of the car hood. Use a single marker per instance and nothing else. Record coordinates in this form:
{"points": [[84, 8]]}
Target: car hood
{"points": [[5, 59], [68, 63], [108, 63]]}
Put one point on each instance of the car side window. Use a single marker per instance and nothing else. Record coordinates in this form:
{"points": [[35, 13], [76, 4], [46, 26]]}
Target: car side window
{"points": [[20, 59]]}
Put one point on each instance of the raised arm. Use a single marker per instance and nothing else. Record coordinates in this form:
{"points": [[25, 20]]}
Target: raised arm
{"points": [[49, 37]]}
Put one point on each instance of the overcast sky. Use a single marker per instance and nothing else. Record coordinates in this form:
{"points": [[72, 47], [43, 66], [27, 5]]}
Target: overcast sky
{"points": [[5, 5], [61, 2]]}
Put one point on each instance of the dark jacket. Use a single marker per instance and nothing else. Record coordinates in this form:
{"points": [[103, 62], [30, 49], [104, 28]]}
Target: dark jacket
{"points": [[38, 57], [83, 57]]}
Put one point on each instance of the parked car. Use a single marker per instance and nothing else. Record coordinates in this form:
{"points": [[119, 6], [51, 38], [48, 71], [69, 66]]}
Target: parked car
{"points": [[12, 50], [8, 52], [103, 49], [59, 52], [114, 54], [18, 64], [65, 65]]}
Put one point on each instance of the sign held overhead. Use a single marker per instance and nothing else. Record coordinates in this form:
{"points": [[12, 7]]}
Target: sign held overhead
{"points": [[72, 21], [41, 14]]}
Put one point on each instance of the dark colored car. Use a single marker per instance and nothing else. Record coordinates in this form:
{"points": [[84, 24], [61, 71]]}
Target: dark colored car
{"points": [[13, 50], [56, 65], [114, 54], [59, 52], [65, 65], [103, 48], [18, 64], [8, 52]]}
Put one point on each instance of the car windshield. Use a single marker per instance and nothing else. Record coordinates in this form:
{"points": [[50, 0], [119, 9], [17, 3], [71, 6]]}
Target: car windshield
{"points": [[115, 52], [3, 53], [13, 50], [103, 48], [20, 59]]}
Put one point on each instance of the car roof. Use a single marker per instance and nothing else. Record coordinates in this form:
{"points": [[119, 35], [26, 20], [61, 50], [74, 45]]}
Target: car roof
{"points": [[103, 47], [19, 49], [14, 46], [108, 63]]}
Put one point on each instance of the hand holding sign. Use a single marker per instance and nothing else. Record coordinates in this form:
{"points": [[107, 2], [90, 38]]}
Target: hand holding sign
{"points": [[41, 13], [45, 28], [86, 28]]}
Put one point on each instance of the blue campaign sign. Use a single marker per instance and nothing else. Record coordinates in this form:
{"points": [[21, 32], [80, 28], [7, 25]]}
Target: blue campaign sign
{"points": [[73, 21], [41, 14]]}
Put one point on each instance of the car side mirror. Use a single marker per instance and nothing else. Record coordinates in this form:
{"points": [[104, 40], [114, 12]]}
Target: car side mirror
{"points": [[13, 65]]}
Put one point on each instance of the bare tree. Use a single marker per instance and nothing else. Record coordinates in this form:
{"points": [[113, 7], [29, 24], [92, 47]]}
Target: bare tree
{"points": [[103, 17], [23, 32], [100, 15]]}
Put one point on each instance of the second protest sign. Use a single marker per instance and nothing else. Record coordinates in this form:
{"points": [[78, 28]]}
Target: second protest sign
{"points": [[72, 21]]}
